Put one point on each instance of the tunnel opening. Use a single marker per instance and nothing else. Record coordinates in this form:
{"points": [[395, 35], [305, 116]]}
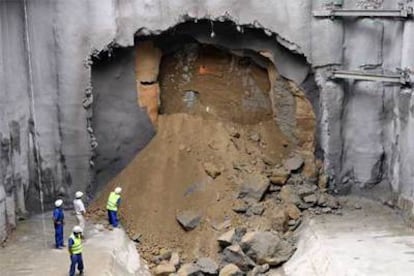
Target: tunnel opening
{"points": [[224, 118]]}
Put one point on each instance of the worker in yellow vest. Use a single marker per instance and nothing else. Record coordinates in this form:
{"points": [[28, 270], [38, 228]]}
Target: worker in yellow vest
{"points": [[75, 251], [114, 200]]}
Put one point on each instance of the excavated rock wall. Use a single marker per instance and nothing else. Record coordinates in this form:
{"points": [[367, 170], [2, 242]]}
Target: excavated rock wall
{"points": [[365, 128]]}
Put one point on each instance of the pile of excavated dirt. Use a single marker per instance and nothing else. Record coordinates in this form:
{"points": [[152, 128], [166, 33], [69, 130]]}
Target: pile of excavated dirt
{"points": [[218, 164], [193, 164]]}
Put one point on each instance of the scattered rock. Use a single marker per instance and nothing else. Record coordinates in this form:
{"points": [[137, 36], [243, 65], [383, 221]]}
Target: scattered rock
{"points": [[292, 211], [227, 238], [188, 219], [256, 209], [254, 186], [211, 169], [207, 265], [279, 176], [311, 199], [294, 163], [357, 206], [259, 269], [280, 220], [230, 270], [266, 248], [306, 189], [327, 200], [240, 206], [164, 269], [189, 269], [181, 147], [175, 259], [288, 195], [234, 254]]}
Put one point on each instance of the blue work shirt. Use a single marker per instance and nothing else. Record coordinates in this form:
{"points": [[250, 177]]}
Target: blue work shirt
{"points": [[58, 215]]}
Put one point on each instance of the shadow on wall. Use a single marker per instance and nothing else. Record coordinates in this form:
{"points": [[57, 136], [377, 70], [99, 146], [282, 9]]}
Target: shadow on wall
{"points": [[121, 128]]}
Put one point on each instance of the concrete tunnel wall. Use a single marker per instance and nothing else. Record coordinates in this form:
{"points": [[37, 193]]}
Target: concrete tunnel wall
{"points": [[366, 129]]}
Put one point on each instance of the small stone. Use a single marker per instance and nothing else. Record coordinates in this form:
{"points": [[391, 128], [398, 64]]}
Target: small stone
{"points": [[234, 254], [175, 259], [189, 269], [240, 206], [188, 219], [279, 177], [211, 169], [326, 210], [164, 269], [218, 226], [311, 199], [260, 269], [227, 238], [280, 220], [288, 195], [357, 206], [230, 270], [292, 211], [257, 209], [181, 147], [207, 265], [293, 164]]}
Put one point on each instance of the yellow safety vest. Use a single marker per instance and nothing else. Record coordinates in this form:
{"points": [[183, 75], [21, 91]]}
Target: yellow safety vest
{"points": [[77, 245], [112, 201]]}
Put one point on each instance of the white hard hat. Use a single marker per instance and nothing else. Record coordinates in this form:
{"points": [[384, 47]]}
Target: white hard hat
{"points": [[78, 194], [58, 203], [77, 229], [118, 190]]}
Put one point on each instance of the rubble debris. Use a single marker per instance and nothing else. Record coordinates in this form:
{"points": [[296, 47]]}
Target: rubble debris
{"points": [[188, 219], [266, 248], [231, 270], [175, 259], [279, 176], [288, 194], [189, 269], [254, 186], [235, 255], [227, 238], [294, 163], [292, 211], [240, 206], [164, 269], [207, 265]]}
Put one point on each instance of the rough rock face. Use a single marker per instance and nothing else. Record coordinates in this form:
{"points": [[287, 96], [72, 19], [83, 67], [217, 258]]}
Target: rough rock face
{"points": [[364, 130]]}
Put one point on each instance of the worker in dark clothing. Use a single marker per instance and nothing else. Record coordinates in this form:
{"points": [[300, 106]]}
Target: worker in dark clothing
{"points": [[114, 200], [58, 221], [75, 251]]}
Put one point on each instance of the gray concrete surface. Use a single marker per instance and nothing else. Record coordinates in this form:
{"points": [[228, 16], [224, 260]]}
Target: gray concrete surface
{"points": [[45, 70], [30, 251], [372, 240]]}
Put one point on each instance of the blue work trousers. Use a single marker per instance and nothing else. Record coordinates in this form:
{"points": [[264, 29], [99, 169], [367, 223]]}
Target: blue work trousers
{"points": [[113, 218], [75, 259], [59, 235]]}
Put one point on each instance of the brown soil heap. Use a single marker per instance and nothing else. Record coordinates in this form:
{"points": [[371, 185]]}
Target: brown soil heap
{"points": [[206, 145]]}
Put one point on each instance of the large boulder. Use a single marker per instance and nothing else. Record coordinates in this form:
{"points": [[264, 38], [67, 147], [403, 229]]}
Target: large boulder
{"points": [[188, 219], [254, 186], [266, 248]]}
